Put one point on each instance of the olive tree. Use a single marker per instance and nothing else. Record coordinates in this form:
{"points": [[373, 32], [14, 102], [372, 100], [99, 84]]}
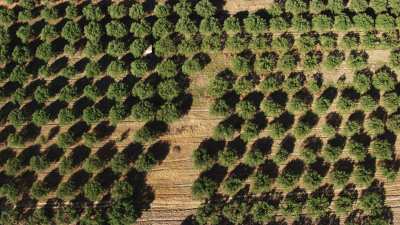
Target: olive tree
{"points": [[117, 91], [183, 8], [116, 29], [93, 164], [393, 123], [322, 22], [122, 211], [48, 33], [24, 33], [116, 48], [137, 47], [263, 211], [92, 115], [232, 25], [162, 10], [371, 203], [140, 29], [66, 116], [143, 111], [93, 12], [167, 68], [385, 22], [93, 31], [296, 6], [382, 149], [357, 149], [42, 94], [45, 51], [71, 31], [169, 89], [40, 117], [162, 28], [21, 54], [117, 113], [19, 74], [384, 80], [65, 140], [363, 175], [136, 11], [117, 69], [254, 24], [39, 163], [139, 67], [235, 211], [93, 190], [363, 22], [119, 162], [49, 14], [117, 10], [358, 5], [205, 8], [342, 22]]}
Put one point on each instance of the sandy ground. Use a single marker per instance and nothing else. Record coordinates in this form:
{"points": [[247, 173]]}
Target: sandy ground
{"points": [[234, 6]]}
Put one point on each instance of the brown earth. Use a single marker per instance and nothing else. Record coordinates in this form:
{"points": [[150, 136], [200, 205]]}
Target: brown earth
{"points": [[234, 6]]}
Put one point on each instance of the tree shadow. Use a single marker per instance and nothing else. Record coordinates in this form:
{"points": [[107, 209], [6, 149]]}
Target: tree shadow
{"points": [[81, 83], [28, 153], [264, 144], [104, 83], [5, 132], [106, 177], [55, 107], [6, 154], [30, 107], [330, 93], [5, 110], [237, 145], [78, 129], [54, 153], [53, 132], [25, 180], [159, 150], [79, 178], [217, 173], [330, 219], [143, 192], [52, 179], [103, 130], [270, 168], [79, 154], [320, 166], [60, 63], [107, 151], [31, 87], [334, 119], [57, 84], [324, 191], [132, 151], [303, 220], [241, 171], [288, 143]]}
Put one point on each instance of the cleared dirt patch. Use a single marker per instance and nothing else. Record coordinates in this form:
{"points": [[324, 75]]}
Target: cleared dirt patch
{"points": [[233, 6]]}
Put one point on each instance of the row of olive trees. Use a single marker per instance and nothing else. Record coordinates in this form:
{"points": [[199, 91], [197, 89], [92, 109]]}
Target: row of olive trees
{"points": [[317, 205]]}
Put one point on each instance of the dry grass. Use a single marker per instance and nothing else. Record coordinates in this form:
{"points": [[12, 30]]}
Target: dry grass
{"points": [[234, 6]]}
